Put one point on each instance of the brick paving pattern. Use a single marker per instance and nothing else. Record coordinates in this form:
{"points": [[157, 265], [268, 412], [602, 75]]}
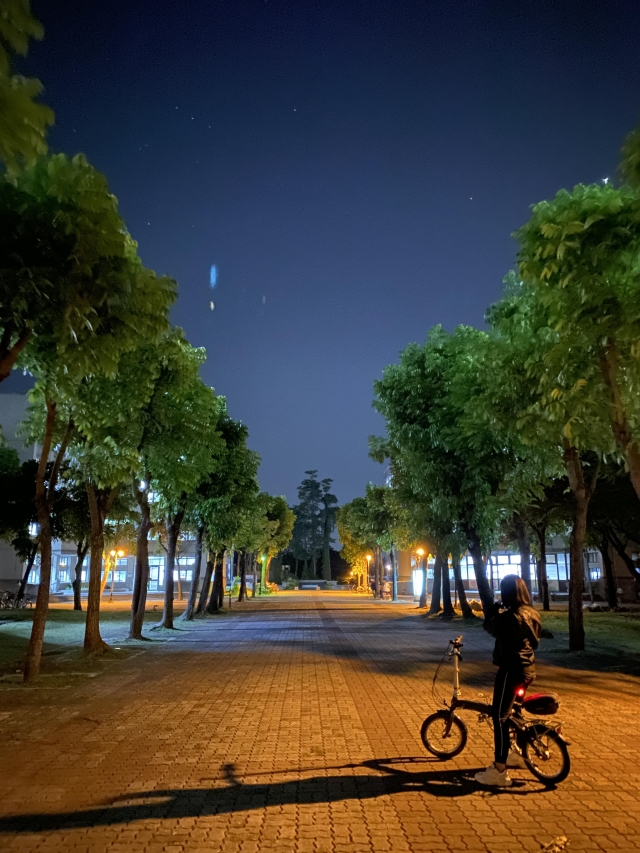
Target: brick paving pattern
{"points": [[293, 724]]}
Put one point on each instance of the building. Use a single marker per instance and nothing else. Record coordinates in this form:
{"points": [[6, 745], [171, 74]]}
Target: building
{"points": [[503, 562]]}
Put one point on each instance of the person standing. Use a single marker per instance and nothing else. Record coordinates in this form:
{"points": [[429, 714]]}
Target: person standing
{"points": [[516, 626]]}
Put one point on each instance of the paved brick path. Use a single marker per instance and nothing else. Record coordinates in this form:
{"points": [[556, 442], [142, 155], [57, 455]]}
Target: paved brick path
{"points": [[293, 725]]}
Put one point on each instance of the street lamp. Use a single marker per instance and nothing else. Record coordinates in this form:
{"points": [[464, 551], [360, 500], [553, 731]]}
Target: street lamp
{"points": [[369, 558], [114, 556]]}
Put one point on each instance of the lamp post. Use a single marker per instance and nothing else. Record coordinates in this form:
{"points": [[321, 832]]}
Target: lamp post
{"points": [[368, 571], [114, 555]]}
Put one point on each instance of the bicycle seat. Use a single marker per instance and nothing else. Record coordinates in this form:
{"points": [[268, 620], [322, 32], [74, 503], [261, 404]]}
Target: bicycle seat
{"points": [[541, 703]]}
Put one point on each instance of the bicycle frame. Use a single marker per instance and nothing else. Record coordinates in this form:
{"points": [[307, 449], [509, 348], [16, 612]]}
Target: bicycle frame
{"points": [[485, 709]]}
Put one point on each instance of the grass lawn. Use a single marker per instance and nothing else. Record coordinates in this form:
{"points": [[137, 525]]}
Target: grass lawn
{"points": [[64, 633], [606, 632]]}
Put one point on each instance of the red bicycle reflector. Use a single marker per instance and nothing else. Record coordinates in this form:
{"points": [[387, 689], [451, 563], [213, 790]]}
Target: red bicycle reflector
{"points": [[521, 691]]}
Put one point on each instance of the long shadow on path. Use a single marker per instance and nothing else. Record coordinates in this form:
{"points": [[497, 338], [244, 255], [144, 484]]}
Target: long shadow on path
{"points": [[171, 804]]}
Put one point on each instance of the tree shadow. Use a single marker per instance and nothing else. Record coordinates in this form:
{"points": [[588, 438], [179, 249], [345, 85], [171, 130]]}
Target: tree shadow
{"points": [[381, 777]]}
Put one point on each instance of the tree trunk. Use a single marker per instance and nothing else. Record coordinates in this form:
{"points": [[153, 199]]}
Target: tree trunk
{"points": [[543, 583], [436, 591], [222, 580], [100, 501], [214, 601], [620, 426], [259, 576], [25, 577], [394, 574], [610, 578], [243, 576], [467, 612], [34, 650], [254, 572], [622, 552], [9, 354], [141, 576], [423, 594], [195, 578], [480, 570], [524, 547], [582, 494], [326, 546], [172, 526], [264, 573], [447, 607], [81, 552], [206, 585]]}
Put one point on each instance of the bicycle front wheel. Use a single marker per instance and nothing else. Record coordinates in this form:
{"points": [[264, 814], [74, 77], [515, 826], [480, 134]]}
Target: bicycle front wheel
{"points": [[546, 754], [444, 735]]}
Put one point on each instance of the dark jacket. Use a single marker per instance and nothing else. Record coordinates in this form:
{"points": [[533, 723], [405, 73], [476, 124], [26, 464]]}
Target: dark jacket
{"points": [[517, 634]]}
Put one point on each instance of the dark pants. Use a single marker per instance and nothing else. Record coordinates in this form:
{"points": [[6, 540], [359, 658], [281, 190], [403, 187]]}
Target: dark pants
{"points": [[504, 694]]}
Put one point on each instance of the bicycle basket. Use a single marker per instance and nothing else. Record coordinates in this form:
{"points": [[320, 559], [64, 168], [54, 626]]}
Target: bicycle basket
{"points": [[541, 703]]}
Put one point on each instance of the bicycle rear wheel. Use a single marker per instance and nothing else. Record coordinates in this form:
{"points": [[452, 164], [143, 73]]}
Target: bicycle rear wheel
{"points": [[443, 735], [546, 755]]}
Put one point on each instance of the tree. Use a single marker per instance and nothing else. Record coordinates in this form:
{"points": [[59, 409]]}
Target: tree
{"points": [[17, 509], [219, 503], [105, 303], [72, 511], [23, 121], [182, 450], [278, 529], [356, 534], [329, 507], [64, 249], [104, 447], [578, 255], [614, 524], [308, 531], [354, 550], [451, 470], [373, 523], [544, 403]]}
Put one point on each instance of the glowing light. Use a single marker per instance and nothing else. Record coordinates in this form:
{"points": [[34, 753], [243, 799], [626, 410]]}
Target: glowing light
{"points": [[417, 582], [213, 275], [420, 552]]}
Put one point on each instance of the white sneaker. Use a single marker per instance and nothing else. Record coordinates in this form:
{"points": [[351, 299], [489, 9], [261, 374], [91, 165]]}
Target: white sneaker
{"points": [[493, 777], [515, 761]]}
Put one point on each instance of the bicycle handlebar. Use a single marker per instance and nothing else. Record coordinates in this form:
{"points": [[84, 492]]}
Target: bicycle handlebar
{"points": [[457, 642]]}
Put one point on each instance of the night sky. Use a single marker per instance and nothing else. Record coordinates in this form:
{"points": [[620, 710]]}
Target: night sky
{"points": [[354, 169]]}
